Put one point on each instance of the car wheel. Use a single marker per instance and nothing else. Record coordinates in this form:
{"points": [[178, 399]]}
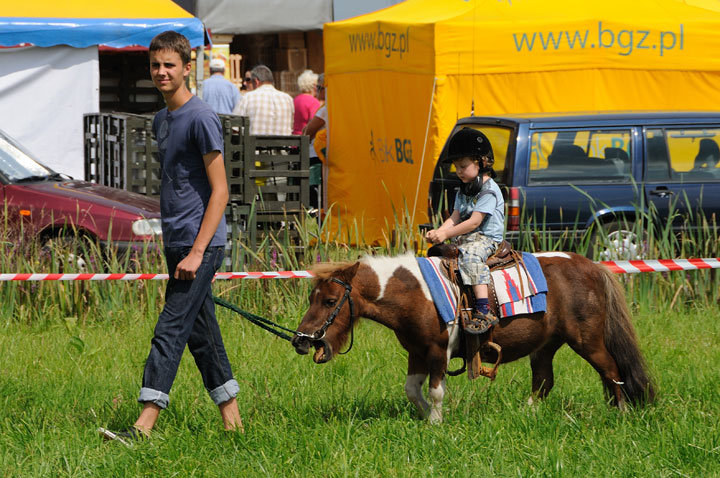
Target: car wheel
{"points": [[617, 241]]}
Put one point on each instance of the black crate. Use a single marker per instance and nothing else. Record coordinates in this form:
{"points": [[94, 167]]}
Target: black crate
{"points": [[241, 234], [238, 146], [278, 176], [92, 147], [253, 228], [121, 153], [142, 171]]}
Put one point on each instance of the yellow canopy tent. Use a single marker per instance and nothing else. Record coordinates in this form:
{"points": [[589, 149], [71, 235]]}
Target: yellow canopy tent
{"points": [[399, 78]]}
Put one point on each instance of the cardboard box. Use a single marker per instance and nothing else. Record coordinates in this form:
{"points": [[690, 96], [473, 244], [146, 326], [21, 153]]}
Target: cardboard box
{"points": [[222, 38], [260, 55], [291, 40], [315, 52], [288, 82], [291, 59]]}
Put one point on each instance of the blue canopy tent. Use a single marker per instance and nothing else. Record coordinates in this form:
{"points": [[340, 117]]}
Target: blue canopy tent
{"points": [[86, 23], [49, 74]]}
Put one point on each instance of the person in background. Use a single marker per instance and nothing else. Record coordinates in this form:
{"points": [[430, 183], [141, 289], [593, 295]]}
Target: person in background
{"points": [[317, 129], [306, 104], [217, 91], [319, 120], [193, 196], [247, 83], [270, 111]]}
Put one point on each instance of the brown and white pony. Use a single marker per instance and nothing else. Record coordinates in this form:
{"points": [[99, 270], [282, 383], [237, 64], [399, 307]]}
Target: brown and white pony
{"points": [[585, 308]]}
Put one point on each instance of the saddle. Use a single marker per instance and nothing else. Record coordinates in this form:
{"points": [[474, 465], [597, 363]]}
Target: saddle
{"points": [[477, 347]]}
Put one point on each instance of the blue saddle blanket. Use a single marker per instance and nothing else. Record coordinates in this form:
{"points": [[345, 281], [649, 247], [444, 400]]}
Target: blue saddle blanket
{"points": [[444, 293], [517, 292]]}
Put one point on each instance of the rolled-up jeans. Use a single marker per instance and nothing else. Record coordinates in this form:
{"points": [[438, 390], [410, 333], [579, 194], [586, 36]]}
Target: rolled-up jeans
{"points": [[188, 318]]}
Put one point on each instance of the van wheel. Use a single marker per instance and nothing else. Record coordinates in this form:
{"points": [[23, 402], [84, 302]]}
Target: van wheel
{"points": [[617, 241]]}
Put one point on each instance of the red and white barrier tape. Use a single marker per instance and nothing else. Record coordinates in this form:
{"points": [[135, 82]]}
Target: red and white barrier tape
{"points": [[219, 275], [620, 267], [265, 275], [661, 265]]}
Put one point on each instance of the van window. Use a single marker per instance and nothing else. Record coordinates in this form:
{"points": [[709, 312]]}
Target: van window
{"points": [[580, 156], [499, 137], [683, 154]]}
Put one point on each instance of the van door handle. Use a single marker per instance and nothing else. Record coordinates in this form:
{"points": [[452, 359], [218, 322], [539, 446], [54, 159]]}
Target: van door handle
{"points": [[661, 192]]}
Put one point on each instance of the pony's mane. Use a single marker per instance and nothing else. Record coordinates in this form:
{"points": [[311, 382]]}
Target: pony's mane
{"points": [[325, 270]]}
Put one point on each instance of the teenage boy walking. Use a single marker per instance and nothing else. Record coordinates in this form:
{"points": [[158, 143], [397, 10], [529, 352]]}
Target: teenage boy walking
{"points": [[193, 196]]}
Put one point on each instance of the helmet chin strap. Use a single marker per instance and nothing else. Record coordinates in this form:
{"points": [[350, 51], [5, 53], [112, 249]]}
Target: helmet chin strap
{"points": [[473, 187]]}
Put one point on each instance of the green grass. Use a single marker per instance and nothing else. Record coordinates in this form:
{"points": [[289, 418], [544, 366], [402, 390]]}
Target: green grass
{"points": [[60, 381], [74, 352]]}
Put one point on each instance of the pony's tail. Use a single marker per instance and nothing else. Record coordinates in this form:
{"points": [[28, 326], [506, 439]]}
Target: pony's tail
{"points": [[621, 342]]}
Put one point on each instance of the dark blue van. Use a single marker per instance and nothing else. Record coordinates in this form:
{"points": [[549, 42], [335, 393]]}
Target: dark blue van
{"points": [[566, 175]]}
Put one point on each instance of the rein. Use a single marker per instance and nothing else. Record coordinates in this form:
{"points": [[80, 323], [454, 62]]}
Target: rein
{"points": [[320, 333]]}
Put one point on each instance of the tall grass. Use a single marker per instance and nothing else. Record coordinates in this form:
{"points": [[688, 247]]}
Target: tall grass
{"points": [[315, 240]]}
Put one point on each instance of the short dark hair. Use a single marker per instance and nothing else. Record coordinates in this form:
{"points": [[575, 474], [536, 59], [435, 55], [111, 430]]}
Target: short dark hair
{"points": [[173, 41], [263, 74]]}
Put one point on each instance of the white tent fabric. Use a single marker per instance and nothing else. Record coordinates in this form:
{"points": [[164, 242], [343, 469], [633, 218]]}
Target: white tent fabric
{"points": [[268, 16], [48, 124]]}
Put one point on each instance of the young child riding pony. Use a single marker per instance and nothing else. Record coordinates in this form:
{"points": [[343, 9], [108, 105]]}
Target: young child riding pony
{"points": [[477, 224]]}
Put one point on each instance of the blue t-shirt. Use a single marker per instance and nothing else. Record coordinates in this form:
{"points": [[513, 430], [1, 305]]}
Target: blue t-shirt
{"points": [[183, 137], [488, 201], [220, 94]]}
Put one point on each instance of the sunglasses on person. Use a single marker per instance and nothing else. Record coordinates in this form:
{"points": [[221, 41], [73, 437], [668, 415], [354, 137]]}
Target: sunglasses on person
{"points": [[247, 80]]}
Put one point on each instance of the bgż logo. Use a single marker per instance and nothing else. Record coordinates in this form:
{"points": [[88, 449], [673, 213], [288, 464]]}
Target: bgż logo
{"points": [[382, 150]]}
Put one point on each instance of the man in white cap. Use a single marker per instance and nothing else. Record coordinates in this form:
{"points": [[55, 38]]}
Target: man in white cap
{"points": [[219, 93]]}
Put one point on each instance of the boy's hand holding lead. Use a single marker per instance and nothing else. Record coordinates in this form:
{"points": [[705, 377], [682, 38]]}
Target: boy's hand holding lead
{"points": [[187, 267]]}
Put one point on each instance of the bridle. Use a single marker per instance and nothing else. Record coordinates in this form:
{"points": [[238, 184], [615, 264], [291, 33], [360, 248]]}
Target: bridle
{"points": [[319, 334]]}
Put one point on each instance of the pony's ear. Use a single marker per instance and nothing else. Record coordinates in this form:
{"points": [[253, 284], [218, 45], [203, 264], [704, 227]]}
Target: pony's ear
{"points": [[348, 274]]}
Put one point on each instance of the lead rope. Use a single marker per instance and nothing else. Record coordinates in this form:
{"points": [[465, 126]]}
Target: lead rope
{"points": [[270, 326], [256, 319]]}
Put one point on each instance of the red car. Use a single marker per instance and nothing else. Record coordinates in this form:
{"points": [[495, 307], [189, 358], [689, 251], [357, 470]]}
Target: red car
{"points": [[38, 203]]}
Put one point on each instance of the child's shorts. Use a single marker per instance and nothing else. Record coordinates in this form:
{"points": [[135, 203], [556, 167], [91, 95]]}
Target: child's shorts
{"points": [[475, 249]]}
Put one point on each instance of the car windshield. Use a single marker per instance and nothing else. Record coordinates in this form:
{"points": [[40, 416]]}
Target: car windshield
{"points": [[16, 165]]}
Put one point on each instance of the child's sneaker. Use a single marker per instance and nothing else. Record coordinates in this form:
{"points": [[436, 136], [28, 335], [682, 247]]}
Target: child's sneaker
{"points": [[480, 323]]}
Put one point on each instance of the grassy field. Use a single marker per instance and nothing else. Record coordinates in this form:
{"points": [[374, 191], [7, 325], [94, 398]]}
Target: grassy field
{"points": [[73, 354], [62, 379]]}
